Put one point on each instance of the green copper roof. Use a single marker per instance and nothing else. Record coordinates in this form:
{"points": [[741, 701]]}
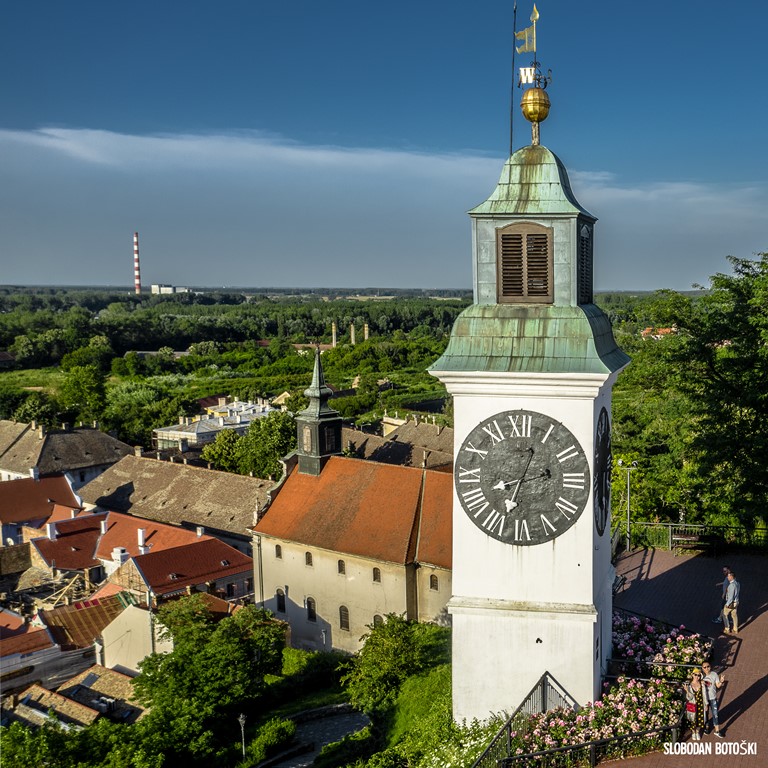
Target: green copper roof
{"points": [[533, 181], [503, 338]]}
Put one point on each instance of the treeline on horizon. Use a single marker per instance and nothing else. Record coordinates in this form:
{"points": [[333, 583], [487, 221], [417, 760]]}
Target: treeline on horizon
{"points": [[690, 409]]}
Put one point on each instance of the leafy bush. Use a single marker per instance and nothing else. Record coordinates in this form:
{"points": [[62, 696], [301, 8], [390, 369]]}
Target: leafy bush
{"points": [[273, 736]]}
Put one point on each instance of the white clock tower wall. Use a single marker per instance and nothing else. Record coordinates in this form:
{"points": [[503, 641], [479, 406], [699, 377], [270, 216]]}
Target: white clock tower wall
{"points": [[545, 607]]}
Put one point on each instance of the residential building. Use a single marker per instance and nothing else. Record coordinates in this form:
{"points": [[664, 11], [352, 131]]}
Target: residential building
{"points": [[80, 454], [225, 505], [36, 705], [150, 560], [34, 501], [105, 690]]}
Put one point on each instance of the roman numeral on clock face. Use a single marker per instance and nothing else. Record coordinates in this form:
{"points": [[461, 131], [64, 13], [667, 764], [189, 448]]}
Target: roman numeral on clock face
{"points": [[567, 508], [479, 451], [469, 475], [573, 480], [475, 500], [567, 453], [521, 425], [494, 431], [494, 523], [521, 531]]}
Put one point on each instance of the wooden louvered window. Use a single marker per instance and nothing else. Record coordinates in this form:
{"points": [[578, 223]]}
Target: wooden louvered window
{"points": [[584, 268], [524, 264]]}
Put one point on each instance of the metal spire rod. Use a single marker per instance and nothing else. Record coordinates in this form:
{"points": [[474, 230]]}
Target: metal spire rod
{"points": [[512, 80]]}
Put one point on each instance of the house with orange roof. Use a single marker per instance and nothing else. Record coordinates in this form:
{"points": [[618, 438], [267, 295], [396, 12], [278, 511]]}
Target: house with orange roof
{"points": [[148, 559], [32, 502], [346, 541]]}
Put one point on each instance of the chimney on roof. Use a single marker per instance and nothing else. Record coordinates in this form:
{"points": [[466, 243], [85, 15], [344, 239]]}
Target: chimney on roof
{"points": [[50, 531], [34, 473], [103, 526], [141, 533], [137, 451], [170, 458], [41, 431], [220, 421], [144, 549], [33, 424], [182, 421], [200, 531], [65, 426], [333, 333], [95, 424], [222, 401], [73, 513], [365, 332], [185, 460]]}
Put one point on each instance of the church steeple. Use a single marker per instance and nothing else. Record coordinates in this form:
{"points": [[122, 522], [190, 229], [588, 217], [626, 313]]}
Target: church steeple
{"points": [[318, 426]]}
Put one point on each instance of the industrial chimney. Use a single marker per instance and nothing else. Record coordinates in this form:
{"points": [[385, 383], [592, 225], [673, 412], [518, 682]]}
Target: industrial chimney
{"points": [[136, 270]]}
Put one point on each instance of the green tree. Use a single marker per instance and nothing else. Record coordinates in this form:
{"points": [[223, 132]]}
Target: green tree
{"points": [[721, 364], [267, 440], [392, 652], [83, 392], [214, 669]]}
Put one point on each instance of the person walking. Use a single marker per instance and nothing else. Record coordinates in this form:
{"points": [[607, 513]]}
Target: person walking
{"points": [[730, 609], [712, 683], [724, 584], [694, 704]]}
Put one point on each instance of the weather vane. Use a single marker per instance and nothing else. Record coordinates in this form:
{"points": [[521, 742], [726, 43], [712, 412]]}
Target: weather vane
{"points": [[535, 101]]}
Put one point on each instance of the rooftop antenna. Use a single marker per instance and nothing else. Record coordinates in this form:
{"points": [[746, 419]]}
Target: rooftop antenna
{"points": [[535, 101]]}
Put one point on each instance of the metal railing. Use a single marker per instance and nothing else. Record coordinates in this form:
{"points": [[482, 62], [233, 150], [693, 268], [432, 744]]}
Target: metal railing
{"points": [[715, 537], [547, 694]]}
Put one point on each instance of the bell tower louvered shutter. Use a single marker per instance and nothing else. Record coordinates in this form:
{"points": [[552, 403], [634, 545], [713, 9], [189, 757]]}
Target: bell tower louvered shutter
{"points": [[524, 264]]}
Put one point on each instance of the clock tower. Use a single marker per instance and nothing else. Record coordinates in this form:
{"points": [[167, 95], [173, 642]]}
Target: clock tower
{"points": [[530, 364]]}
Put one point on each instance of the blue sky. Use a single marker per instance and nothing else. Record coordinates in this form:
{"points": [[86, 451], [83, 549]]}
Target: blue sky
{"points": [[341, 143]]}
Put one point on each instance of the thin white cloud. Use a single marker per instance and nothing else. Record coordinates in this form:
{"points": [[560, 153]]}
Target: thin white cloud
{"points": [[270, 211]]}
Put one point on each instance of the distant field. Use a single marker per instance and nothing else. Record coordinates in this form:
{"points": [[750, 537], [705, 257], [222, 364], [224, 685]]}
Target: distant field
{"points": [[32, 378]]}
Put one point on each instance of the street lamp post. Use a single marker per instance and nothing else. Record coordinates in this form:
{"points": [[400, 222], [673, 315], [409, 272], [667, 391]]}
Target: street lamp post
{"points": [[241, 719], [628, 470]]}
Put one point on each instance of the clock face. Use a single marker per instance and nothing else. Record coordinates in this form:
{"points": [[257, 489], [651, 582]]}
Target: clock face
{"points": [[602, 471], [522, 477]]}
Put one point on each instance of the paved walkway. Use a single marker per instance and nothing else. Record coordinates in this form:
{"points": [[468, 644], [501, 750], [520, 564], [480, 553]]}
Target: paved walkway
{"points": [[322, 731], [681, 590]]}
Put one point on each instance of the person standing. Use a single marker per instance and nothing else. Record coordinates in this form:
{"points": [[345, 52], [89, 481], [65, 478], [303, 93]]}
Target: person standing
{"points": [[712, 683], [730, 610], [724, 584], [694, 704]]}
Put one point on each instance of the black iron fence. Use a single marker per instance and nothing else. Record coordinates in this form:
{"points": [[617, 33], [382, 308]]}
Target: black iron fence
{"points": [[547, 694], [715, 539]]}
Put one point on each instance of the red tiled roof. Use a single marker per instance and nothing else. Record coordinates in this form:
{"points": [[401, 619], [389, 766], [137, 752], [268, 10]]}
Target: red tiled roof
{"points": [[361, 508], [122, 531], [75, 543], [11, 623], [435, 533], [30, 642], [206, 559], [36, 701], [29, 499]]}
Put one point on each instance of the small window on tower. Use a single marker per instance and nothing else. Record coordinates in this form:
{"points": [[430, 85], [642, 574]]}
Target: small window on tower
{"points": [[377, 574], [342, 566], [524, 264], [344, 618], [308, 558], [434, 584], [278, 552]]}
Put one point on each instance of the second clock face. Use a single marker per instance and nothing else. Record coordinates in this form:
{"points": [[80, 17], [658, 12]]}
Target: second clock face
{"points": [[522, 477]]}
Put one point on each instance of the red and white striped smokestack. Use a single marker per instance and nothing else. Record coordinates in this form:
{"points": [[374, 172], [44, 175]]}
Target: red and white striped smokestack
{"points": [[136, 270]]}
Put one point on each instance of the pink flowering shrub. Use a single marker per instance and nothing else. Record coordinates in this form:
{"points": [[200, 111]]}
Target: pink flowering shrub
{"points": [[631, 706], [639, 639]]}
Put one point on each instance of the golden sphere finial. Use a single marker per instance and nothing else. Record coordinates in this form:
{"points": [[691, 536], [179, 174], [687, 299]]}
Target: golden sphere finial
{"points": [[535, 105]]}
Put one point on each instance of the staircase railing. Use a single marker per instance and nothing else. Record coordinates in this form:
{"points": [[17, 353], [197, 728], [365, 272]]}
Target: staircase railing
{"points": [[547, 694]]}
